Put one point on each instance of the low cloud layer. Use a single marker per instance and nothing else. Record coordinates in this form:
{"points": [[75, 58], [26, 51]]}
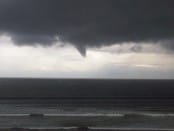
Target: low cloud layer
{"points": [[115, 61], [87, 23]]}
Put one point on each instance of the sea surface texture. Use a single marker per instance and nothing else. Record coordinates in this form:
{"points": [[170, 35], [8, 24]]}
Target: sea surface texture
{"points": [[98, 104]]}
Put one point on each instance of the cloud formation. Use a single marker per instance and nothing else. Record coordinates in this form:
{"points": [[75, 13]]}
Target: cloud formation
{"points": [[87, 23]]}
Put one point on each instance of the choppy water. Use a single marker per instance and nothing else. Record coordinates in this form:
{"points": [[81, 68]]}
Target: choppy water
{"points": [[17, 114]]}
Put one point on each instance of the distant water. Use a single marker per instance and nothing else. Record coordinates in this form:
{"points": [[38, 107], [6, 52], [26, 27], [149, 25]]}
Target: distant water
{"points": [[67, 103]]}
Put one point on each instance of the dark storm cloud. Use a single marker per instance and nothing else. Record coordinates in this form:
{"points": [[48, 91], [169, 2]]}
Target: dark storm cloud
{"points": [[87, 23]]}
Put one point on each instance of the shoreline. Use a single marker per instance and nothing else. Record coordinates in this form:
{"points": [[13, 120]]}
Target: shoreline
{"points": [[85, 129], [79, 129]]}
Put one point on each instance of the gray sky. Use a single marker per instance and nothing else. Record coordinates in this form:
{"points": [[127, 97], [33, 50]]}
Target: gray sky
{"points": [[87, 39]]}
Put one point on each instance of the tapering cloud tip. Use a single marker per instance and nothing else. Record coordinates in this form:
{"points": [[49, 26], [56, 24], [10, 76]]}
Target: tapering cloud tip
{"points": [[82, 50]]}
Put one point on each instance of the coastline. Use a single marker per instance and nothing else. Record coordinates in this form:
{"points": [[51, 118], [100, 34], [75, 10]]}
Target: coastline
{"points": [[86, 129]]}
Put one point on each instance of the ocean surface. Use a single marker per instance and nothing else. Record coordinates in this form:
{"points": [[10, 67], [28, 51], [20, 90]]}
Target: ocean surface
{"points": [[18, 114], [103, 104]]}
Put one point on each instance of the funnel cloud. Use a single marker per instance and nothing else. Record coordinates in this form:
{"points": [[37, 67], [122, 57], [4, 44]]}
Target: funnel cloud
{"points": [[87, 23]]}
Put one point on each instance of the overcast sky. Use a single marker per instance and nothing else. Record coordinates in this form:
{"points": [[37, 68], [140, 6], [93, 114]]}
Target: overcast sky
{"points": [[87, 38]]}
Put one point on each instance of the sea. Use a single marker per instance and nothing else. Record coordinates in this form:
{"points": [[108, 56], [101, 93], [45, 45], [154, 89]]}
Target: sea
{"points": [[96, 104]]}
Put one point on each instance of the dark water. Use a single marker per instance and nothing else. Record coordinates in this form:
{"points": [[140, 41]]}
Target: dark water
{"points": [[86, 88], [94, 103], [17, 113]]}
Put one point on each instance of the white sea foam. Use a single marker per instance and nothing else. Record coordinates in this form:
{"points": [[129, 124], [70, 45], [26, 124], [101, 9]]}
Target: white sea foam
{"points": [[106, 128], [68, 115], [95, 115]]}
